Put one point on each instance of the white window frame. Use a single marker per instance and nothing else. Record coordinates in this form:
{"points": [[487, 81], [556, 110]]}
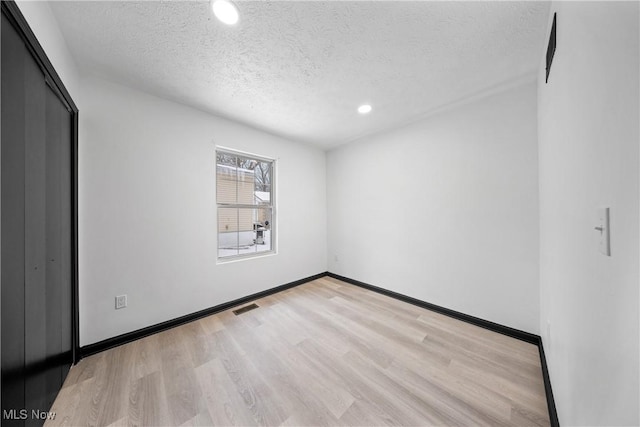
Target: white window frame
{"points": [[271, 206]]}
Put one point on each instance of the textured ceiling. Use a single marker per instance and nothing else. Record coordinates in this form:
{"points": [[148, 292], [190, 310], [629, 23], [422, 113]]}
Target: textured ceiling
{"points": [[300, 69]]}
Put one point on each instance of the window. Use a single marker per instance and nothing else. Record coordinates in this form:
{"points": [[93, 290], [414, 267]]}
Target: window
{"points": [[244, 195]]}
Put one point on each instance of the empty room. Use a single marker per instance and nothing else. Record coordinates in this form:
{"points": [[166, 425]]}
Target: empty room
{"points": [[310, 213]]}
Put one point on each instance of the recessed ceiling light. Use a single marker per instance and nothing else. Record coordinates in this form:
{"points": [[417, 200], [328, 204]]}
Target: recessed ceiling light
{"points": [[225, 11], [364, 109]]}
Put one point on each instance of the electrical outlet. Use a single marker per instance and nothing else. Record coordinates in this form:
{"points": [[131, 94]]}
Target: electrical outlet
{"points": [[335, 257], [121, 301]]}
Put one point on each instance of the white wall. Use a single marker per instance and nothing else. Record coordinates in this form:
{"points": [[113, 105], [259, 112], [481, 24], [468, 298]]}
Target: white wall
{"points": [[445, 210], [148, 214], [588, 137]]}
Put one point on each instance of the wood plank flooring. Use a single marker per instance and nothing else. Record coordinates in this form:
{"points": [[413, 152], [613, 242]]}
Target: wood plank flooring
{"points": [[323, 353]]}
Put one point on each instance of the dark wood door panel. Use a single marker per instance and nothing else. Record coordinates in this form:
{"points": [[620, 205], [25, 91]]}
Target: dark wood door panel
{"points": [[12, 218], [54, 249], [35, 301], [66, 241]]}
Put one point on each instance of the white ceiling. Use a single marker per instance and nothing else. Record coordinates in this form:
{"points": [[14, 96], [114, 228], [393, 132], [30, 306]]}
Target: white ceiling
{"points": [[300, 69]]}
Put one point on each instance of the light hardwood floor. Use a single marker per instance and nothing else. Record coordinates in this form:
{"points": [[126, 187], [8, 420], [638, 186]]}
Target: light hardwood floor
{"points": [[323, 353]]}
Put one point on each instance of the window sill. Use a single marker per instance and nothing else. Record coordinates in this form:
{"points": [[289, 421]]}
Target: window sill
{"points": [[239, 258]]}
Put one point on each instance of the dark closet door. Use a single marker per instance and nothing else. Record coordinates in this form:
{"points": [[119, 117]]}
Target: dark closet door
{"points": [[57, 226], [36, 220], [12, 156], [35, 268]]}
